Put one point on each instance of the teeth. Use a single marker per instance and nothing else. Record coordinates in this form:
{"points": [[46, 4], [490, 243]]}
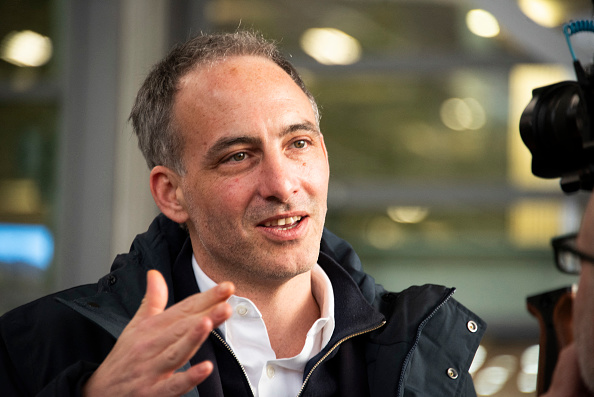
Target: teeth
{"points": [[283, 221]]}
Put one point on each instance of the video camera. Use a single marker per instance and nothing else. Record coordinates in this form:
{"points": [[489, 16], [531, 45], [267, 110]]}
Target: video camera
{"points": [[557, 126]]}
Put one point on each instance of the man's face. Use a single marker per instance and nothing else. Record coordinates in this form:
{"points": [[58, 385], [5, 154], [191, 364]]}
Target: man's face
{"points": [[256, 181], [583, 314]]}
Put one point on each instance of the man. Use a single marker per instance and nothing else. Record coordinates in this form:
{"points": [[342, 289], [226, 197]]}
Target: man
{"points": [[574, 372], [253, 296]]}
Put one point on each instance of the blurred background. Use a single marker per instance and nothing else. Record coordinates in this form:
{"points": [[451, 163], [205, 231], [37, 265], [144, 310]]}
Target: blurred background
{"points": [[420, 101]]}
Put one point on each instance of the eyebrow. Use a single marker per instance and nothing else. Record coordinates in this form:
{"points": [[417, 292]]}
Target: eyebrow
{"points": [[227, 142], [305, 126]]}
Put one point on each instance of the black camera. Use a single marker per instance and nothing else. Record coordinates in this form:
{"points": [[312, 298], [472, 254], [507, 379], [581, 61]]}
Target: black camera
{"points": [[557, 126]]}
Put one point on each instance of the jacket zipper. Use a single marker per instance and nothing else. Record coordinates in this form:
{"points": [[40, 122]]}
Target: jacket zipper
{"points": [[419, 330], [219, 337], [334, 348], [313, 368]]}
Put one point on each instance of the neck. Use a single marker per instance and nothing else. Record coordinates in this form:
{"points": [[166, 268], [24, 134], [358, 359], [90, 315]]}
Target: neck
{"points": [[288, 310], [287, 304]]}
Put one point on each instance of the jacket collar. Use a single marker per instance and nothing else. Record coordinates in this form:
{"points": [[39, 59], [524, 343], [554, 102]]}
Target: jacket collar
{"points": [[165, 247], [120, 292]]}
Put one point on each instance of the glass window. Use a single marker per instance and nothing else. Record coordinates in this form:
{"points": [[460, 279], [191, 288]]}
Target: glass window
{"points": [[29, 117]]}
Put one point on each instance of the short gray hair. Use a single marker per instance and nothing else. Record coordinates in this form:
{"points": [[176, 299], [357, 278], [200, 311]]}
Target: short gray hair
{"points": [[152, 113]]}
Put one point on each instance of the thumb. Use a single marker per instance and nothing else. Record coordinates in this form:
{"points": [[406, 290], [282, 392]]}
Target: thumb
{"points": [[155, 298]]}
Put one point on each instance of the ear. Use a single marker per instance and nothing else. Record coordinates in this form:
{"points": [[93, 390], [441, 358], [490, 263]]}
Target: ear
{"points": [[166, 190]]}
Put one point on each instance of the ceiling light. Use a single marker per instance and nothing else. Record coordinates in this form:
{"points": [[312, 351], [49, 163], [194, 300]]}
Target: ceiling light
{"points": [[529, 360], [331, 46], [26, 48], [491, 379], [482, 23], [544, 12], [462, 114], [382, 233], [407, 214], [479, 359]]}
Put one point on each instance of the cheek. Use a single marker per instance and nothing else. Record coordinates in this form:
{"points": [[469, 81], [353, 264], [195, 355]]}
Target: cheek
{"points": [[319, 174], [315, 165], [232, 194]]}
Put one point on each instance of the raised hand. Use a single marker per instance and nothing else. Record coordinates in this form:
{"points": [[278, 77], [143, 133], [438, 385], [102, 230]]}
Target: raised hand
{"points": [[157, 342]]}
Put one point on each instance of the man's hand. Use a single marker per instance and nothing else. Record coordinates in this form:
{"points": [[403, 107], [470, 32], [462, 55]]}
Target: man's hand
{"points": [[157, 342], [566, 380]]}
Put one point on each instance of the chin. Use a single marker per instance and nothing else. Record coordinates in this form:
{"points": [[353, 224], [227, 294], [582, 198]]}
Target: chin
{"points": [[296, 268]]}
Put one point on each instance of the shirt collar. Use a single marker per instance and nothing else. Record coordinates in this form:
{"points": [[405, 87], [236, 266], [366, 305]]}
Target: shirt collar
{"points": [[321, 290]]}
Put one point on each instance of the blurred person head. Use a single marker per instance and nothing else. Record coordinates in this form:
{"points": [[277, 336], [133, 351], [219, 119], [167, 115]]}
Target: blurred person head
{"points": [[583, 313]]}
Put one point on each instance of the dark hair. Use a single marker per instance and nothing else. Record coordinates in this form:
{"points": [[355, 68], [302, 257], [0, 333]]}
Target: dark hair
{"points": [[152, 112]]}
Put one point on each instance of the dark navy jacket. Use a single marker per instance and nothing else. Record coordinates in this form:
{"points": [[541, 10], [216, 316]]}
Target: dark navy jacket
{"points": [[419, 342]]}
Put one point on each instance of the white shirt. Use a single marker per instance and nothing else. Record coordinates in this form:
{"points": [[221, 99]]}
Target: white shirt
{"points": [[246, 334]]}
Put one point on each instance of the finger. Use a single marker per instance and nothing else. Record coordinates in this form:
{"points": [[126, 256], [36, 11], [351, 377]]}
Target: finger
{"points": [[185, 342], [201, 304], [205, 301], [188, 336], [173, 337], [182, 382], [155, 298], [220, 313], [180, 324]]}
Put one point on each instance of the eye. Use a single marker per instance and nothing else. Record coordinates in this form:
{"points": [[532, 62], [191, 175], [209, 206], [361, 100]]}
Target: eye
{"points": [[300, 144], [238, 157]]}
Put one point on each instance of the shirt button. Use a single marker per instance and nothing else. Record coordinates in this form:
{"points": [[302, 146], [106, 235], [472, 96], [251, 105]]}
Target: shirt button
{"points": [[270, 371], [241, 310]]}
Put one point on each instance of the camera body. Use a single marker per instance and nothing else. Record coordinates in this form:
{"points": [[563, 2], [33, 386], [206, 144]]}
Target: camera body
{"points": [[557, 126]]}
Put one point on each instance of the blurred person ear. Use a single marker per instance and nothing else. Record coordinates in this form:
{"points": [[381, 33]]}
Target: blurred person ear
{"points": [[166, 190]]}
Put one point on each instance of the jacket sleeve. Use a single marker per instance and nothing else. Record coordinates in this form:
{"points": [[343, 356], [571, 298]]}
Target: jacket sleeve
{"points": [[9, 380], [68, 383], [47, 349]]}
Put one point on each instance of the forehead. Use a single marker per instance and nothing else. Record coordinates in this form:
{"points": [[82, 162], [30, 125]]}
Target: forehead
{"points": [[238, 74], [238, 95]]}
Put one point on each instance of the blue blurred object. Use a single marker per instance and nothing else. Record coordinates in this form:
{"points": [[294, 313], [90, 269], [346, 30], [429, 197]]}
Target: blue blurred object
{"points": [[26, 244]]}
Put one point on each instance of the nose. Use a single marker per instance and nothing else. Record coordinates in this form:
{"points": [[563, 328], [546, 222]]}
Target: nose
{"points": [[279, 178]]}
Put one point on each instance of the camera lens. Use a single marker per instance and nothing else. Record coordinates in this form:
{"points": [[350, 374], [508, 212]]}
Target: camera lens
{"points": [[551, 127]]}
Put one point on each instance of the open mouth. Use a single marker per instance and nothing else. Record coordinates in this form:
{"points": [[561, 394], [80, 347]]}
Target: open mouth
{"points": [[284, 223]]}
